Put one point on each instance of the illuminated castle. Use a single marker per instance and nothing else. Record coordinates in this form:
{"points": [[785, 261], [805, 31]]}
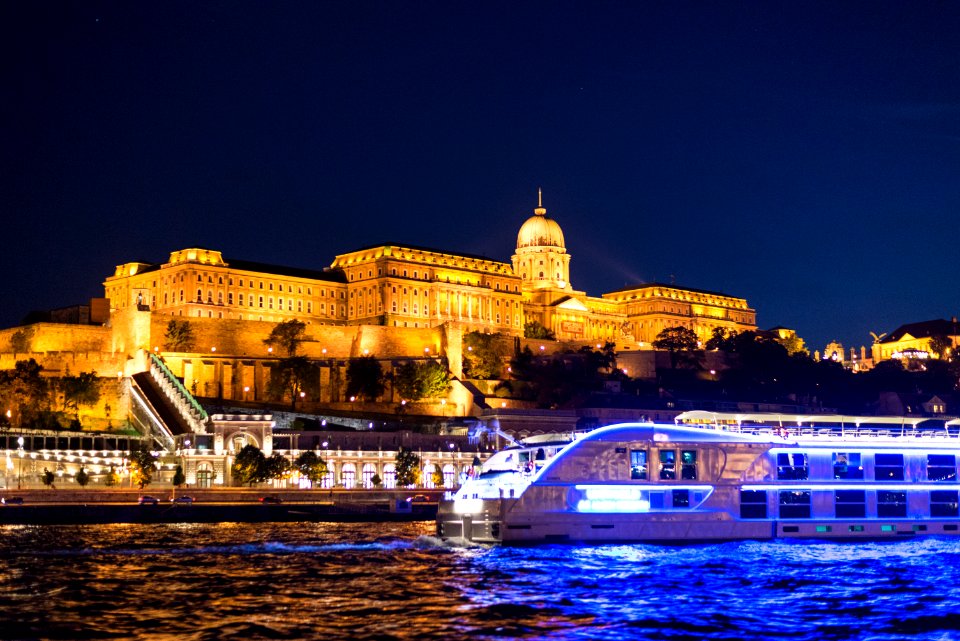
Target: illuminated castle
{"points": [[398, 285]]}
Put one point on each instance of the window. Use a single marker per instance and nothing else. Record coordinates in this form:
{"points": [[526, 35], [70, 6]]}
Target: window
{"points": [[847, 465], [753, 504], [261, 302], [850, 504], [240, 299], [792, 466], [941, 467], [688, 465], [889, 467], [229, 298], [668, 464], [943, 503], [638, 464], [681, 498], [891, 504], [795, 504]]}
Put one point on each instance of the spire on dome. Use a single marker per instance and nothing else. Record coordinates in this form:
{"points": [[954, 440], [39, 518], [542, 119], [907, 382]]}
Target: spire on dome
{"points": [[540, 210]]}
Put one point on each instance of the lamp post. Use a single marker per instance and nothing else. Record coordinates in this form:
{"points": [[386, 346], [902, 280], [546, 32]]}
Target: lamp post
{"points": [[20, 454]]}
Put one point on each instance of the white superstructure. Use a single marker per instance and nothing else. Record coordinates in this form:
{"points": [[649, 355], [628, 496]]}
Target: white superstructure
{"points": [[725, 478]]}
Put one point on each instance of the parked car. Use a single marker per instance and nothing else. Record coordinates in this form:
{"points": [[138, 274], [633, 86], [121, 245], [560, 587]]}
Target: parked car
{"points": [[148, 500], [271, 500], [419, 498], [182, 500], [13, 500]]}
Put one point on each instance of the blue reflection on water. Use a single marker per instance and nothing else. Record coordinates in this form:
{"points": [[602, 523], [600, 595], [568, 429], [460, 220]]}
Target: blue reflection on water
{"points": [[395, 581]]}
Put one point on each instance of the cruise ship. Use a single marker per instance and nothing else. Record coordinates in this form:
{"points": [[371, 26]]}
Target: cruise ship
{"points": [[713, 477]]}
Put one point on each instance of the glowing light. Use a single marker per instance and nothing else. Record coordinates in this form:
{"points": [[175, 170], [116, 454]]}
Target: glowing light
{"points": [[213, 349]]}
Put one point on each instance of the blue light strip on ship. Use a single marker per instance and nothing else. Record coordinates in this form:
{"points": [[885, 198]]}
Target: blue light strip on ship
{"points": [[791, 487], [629, 498]]}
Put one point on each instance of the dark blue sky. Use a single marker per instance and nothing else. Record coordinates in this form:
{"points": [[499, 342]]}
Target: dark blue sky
{"points": [[805, 156]]}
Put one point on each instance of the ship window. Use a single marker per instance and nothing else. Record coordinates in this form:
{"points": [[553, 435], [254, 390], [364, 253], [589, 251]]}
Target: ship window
{"points": [[792, 466], [795, 504], [943, 503], [850, 504], [681, 498], [941, 467], [891, 504], [668, 464], [753, 504], [656, 500], [638, 464], [847, 465], [688, 465], [889, 467]]}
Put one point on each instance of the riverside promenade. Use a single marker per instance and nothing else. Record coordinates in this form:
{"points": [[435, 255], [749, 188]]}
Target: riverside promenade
{"points": [[90, 506]]}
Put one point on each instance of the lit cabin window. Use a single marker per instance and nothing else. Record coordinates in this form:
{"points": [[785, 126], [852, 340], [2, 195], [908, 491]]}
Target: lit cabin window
{"points": [[847, 465], [681, 498], [943, 503], [792, 466], [891, 504], [888, 467], [753, 504], [638, 464], [941, 467], [850, 504], [688, 465], [668, 464], [795, 504]]}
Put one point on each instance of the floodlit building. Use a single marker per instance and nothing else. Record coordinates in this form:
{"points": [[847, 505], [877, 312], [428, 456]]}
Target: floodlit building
{"points": [[399, 285]]}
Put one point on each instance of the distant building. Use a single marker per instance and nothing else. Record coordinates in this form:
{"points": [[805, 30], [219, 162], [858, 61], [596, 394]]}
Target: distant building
{"points": [[916, 341], [399, 285]]}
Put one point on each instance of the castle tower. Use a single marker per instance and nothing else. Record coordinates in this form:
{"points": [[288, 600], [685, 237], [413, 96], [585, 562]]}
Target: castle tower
{"points": [[541, 260]]}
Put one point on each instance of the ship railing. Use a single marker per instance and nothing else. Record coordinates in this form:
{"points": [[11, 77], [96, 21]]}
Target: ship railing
{"points": [[905, 431]]}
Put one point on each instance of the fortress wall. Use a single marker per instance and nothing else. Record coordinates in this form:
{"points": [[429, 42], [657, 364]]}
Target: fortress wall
{"points": [[245, 338], [57, 337]]}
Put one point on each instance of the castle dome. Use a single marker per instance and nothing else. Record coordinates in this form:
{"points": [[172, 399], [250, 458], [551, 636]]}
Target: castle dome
{"points": [[540, 231]]}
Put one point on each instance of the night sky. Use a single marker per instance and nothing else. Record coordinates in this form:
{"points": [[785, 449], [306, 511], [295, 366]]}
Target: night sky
{"points": [[805, 156]]}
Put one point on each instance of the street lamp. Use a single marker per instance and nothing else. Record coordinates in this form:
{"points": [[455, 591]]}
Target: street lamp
{"points": [[20, 454]]}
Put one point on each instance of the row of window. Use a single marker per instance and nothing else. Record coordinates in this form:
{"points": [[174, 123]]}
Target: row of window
{"points": [[795, 466], [668, 463], [848, 504]]}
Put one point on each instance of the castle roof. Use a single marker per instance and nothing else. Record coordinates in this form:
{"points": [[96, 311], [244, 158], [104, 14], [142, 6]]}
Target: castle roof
{"points": [[924, 329]]}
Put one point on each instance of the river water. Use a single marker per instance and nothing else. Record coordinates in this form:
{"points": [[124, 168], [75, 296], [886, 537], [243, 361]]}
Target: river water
{"points": [[396, 581]]}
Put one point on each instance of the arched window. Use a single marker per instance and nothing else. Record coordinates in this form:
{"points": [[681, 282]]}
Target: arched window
{"points": [[389, 476], [369, 470], [348, 476]]}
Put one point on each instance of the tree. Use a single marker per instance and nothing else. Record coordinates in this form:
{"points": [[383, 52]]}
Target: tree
{"points": [[534, 329], [365, 378], [287, 336], [681, 343], [21, 340], [178, 477], [424, 379], [82, 478], [940, 344], [437, 476], [25, 391], [290, 376], [112, 478], [179, 336], [83, 389], [141, 467], [249, 466], [48, 478], [721, 340], [311, 466], [484, 355], [376, 481], [275, 467], [407, 468]]}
